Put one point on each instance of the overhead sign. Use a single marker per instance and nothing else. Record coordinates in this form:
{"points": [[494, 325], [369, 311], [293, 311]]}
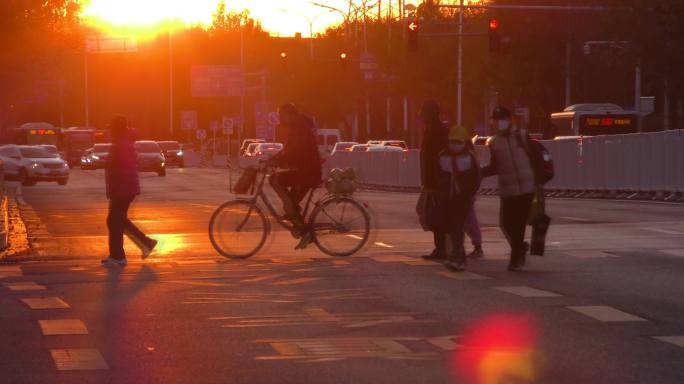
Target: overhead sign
{"points": [[105, 44], [188, 120], [217, 80]]}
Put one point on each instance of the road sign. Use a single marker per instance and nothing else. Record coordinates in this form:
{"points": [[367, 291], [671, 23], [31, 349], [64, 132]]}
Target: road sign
{"points": [[201, 134], [273, 118], [104, 44], [217, 80], [188, 120], [228, 124], [214, 125]]}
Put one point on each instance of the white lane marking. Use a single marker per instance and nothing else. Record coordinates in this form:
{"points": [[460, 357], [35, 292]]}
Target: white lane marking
{"points": [[447, 343], [574, 218], [78, 359], [357, 237], [379, 244], [605, 313], [674, 252], [63, 327], [524, 291], [24, 286], [45, 303], [589, 254], [665, 231], [675, 340]]}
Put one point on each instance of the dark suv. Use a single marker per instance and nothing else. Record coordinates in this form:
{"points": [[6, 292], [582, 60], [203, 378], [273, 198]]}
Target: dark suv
{"points": [[150, 157], [172, 153]]}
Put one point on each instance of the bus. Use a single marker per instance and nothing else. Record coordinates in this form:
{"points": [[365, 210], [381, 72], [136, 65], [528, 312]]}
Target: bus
{"points": [[594, 119], [38, 134], [76, 140]]}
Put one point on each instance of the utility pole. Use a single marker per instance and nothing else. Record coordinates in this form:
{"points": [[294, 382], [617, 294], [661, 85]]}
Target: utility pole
{"points": [[170, 82], [459, 109]]}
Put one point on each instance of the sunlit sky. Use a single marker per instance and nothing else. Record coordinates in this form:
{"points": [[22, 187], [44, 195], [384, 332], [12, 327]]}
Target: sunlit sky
{"points": [[280, 17]]}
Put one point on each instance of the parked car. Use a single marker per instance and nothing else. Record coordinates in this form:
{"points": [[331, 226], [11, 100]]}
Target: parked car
{"points": [[384, 148], [359, 148], [32, 163], [264, 151], [326, 139], [247, 142], [395, 143], [343, 146], [86, 159], [247, 159], [150, 157], [172, 153]]}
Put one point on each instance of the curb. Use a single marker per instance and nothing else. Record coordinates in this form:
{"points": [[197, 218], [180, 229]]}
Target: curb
{"points": [[4, 223], [15, 235]]}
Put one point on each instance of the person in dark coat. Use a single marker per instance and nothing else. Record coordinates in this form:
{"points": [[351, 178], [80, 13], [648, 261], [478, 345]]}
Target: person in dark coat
{"points": [[123, 185], [458, 179], [301, 167], [433, 143]]}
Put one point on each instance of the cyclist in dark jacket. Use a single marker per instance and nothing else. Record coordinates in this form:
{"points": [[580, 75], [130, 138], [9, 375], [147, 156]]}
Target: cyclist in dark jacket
{"points": [[302, 165]]}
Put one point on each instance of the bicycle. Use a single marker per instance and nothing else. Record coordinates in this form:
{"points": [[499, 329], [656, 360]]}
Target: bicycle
{"points": [[339, 225]]}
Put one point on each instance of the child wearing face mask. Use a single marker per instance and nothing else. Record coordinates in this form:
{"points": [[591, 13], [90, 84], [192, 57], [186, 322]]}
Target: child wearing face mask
{"points": [[458, 181]]}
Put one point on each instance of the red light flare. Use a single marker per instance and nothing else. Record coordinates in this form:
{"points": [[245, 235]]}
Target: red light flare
{"points": [[501, 348]]}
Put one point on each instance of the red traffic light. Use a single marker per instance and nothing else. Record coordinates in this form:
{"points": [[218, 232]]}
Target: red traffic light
{"points": [[493, 24]]}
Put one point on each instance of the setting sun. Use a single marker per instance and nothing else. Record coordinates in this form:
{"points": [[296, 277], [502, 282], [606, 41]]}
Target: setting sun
{"points": [[149, 17]]}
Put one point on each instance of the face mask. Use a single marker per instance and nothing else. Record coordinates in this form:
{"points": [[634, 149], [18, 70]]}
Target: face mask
{"points": [[503, 125], [456, 147]]}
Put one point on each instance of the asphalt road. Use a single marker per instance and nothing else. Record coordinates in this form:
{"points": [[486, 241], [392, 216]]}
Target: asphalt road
{"points": [[602, 306]]}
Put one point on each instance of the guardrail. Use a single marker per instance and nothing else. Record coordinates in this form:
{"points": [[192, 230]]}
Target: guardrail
{"points": [[634, 166]]}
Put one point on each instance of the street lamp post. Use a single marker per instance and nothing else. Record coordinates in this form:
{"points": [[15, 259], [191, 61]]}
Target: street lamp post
{"points": [[311, 24]]}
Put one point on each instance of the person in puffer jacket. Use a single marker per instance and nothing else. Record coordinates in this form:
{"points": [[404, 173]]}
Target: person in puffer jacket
{"points": [[511, 162], [123, 185], [458, 179]]}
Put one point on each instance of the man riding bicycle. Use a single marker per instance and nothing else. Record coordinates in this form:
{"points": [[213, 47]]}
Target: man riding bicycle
{"points": [[301, 165]]}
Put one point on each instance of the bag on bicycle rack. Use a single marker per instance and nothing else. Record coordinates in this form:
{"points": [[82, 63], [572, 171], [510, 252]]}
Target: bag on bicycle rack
{"points": [[246, 181], [341, 182]]}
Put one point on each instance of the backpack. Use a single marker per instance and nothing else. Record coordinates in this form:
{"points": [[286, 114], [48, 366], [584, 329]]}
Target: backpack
{"points": [[541, 161]]}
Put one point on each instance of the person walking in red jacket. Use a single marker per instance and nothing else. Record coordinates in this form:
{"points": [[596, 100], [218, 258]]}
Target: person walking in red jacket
{"points": [[123, 185]]}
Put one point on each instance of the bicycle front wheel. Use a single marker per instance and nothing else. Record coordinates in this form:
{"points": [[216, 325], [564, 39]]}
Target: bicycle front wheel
{"points": [[238, 229], [341, 226]]}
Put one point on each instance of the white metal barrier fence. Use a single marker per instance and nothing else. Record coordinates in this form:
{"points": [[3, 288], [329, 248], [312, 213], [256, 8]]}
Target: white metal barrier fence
{"points": [[648, 165]]}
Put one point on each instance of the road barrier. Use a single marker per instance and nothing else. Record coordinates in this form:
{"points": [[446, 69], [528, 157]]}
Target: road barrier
{"points": [[635, 166]]}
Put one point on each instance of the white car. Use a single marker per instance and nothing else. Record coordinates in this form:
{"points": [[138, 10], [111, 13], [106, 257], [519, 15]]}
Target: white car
{"points": [[265, 151], [395, 143], [343, 146], [384, 148], [32, 163], [359, 148], [374, 142], [247, 159]]}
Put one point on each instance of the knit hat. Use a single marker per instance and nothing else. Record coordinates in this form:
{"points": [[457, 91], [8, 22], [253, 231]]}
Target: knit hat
{"points": [[501, 113], [458, 133]]}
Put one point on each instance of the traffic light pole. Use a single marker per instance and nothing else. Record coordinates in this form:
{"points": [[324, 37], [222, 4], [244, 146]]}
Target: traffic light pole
{"points": [[459, 110]]}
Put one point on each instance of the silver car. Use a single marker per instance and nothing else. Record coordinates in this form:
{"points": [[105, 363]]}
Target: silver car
{"points": [[32, 163]]}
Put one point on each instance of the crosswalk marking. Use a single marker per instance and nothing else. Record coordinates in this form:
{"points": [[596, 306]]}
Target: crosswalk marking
{"points": [[524, 291], [63, 327], [303, 280], [381, 244], [45, 303], [462, 275], [674, 252], [589, 254], [24, 286], [674, 340], [605, 313], [10, 271], [665, 231], [78, 359]]}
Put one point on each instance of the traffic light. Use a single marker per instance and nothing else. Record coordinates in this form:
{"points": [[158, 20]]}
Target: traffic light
{"points": [[283, 58], [343, 59], [412, 34], [494, 38]]}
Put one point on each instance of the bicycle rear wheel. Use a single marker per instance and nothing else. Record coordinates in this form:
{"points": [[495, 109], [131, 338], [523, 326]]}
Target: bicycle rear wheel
{"points": [[238, 229], [341, 226]]}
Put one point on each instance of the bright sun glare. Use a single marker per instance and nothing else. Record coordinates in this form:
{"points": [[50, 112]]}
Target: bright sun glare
{"points": [[150, 17]]}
